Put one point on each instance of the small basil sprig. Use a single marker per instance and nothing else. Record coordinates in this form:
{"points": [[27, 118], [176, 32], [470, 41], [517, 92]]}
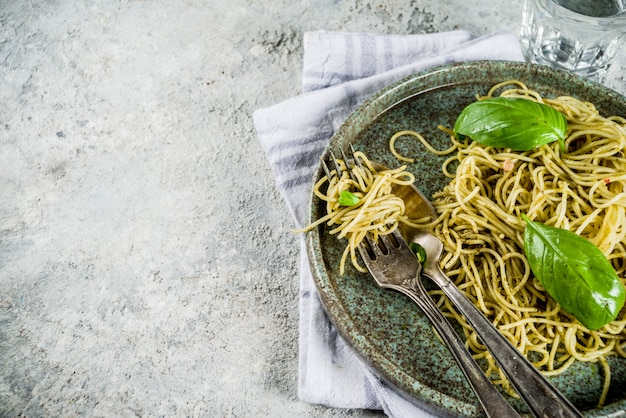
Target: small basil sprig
{"points": [[511, 122], [575, 273], [347, 198], [419, 251]]}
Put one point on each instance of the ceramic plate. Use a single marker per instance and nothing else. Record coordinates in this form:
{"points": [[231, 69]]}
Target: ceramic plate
{"points": [[385, 328]]}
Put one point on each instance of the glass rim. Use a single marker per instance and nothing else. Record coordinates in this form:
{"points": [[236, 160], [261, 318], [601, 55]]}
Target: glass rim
{"points": [[550, 6]]}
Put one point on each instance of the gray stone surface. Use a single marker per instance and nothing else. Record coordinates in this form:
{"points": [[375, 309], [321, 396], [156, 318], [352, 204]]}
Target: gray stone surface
{"points": [[146, 262]]}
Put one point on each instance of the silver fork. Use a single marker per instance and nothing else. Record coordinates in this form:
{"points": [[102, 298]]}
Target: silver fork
{"points": [[394, 266]]}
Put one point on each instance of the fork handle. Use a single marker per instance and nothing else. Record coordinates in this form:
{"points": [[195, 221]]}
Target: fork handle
{"points": [[541, 397], [492, 401]]}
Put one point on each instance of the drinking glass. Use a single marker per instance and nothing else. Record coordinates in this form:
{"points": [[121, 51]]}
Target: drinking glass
{"points": [[581, 36]]}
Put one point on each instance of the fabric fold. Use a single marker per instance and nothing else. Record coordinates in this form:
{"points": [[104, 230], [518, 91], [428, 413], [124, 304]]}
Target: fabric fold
{"points": [[341, 70]]}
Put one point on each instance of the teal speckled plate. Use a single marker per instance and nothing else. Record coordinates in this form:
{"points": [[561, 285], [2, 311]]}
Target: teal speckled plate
{"points": [[385, 328]]}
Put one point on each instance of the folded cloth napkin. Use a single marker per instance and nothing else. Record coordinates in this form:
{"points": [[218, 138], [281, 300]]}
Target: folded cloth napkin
{"points": [[340, 70]]}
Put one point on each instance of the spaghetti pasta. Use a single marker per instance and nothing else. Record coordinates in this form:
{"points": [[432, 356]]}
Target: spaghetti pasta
{"points": [[378, 210], [581, 188]]}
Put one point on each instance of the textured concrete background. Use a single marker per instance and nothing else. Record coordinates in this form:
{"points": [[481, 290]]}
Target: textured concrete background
{"points": [[146, 262]]}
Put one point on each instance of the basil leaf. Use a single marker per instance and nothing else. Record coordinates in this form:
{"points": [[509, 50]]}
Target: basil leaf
{"points": [[510, 122], [575, 273], [347, 198], [419, 251]]}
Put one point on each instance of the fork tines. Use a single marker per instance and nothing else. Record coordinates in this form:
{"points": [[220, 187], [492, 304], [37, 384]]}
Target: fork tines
{"points": [[346, 160], [384, 244]]}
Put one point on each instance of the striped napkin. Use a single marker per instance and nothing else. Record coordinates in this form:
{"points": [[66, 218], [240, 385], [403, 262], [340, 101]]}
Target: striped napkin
{"points": [[340, 70]]}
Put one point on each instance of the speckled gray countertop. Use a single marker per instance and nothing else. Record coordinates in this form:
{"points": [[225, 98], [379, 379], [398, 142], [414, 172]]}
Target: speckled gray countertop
{"points": [[146, 262]]}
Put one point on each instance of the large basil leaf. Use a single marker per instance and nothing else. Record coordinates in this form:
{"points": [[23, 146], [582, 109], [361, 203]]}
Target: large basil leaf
{"points": [[575, 273], [510, 122]]}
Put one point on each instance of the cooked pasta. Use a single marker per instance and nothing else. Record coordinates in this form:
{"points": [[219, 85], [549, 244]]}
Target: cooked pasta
{"points": [[581, 188], [378, 210]]}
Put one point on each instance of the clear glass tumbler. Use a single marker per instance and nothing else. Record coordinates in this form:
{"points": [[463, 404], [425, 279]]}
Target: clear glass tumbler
{"points": [[581, 36]]}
